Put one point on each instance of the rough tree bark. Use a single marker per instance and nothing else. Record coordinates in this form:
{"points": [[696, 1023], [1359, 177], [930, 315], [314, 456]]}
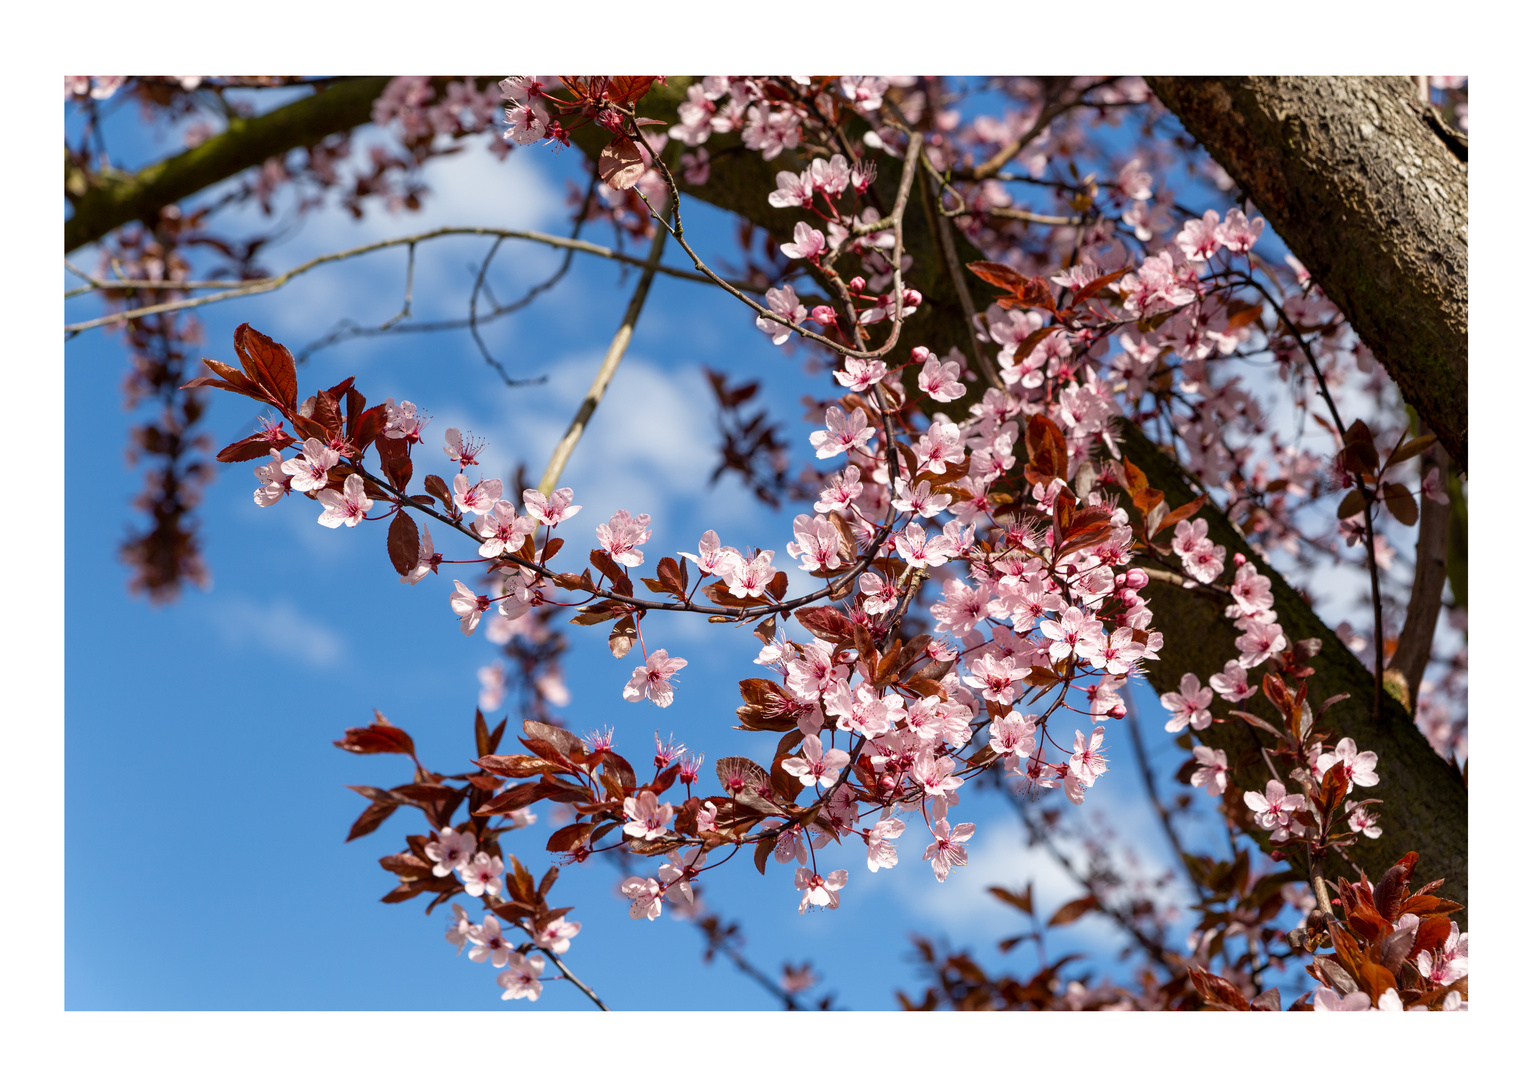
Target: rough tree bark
{"points": [[1368, 187], [1425, 797]]}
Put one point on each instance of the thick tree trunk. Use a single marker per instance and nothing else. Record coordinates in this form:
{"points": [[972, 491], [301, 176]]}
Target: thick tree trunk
{"points": [[1424, 798], [1368, 187]]}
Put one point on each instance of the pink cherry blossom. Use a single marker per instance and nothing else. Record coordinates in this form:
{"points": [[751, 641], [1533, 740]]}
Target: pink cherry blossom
{"points": [[815, 544], [948, 847], [712, 558], [275, 481], [460, 449], [918, 548], [459, 928], [404, 422], [1012, 735], [816, 767], [1326, 1000], [1260, 641], [489, 943], [841, 491], [1448, 963], [450, 851], [843, 433], [521, 979], [648, 819], [940, 379], [746, 579], [784, 303], [483, 875], [1237, 232], [426, 559], [1212, 773], [1232, 683], [1359, 768], [309, 471], [504, 530], [859, 375], [1188, 705], [645, 897], [1362, 821], [468, 606], [792, 191], [654, 680], [1199, 240], [621, 537], [346, 506], [918, 500], [1272, 809], [477, 498], [1087, 764], [553, 510], [819, 891], [882, 853]]}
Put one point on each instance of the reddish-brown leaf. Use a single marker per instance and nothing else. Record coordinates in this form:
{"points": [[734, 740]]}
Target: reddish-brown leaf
{"points": [[1217, 992], [1173, 517], [1073, 910], [438, 487], [371, 818], [1004, 277], [252, 447], [395, 459], [827, 623], [569, 838], [380, 737], [268, 364], [620, 164], [404, 543]]}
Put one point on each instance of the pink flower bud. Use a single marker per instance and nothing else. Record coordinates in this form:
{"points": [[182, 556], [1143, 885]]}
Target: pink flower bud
{"points": [[1136, 578], [1117, 713], [856, 285], [823, 315], [1239, 559]]}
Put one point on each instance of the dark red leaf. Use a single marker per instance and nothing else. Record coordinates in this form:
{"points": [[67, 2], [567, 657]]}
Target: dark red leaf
{"points": [[404, 543]]}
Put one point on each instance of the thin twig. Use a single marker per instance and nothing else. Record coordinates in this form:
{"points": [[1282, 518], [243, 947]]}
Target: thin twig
{"points": [[258, 286], [1144, 766], [605, 373], [573, 980]]}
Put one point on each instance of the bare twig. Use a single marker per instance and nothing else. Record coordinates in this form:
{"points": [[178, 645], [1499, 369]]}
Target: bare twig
{"points": [[258, 286], [605, 373], [573, 980], [1423, 614]]}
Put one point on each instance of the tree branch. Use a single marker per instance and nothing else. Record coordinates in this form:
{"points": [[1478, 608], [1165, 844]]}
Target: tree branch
{"points": [[105, 202]]}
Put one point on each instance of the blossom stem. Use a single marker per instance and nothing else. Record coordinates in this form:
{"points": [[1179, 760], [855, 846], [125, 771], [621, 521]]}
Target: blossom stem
{"points": [[573, 980]]}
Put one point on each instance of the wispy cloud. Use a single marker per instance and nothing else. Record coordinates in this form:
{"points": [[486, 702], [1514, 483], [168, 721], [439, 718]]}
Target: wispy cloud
{"points": [[275, 626]]}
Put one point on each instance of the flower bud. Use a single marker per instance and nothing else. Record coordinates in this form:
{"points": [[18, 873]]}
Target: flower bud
{"points": [[1136, 578], [856, 285], [823, 315], [1117, 713]]}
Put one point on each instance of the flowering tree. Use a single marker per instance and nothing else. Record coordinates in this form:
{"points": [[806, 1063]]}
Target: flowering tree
{"points": [[1048, 465]]}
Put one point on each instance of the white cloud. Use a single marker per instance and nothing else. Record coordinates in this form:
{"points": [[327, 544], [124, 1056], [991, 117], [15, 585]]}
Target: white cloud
{"points": [[275, 626]]}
